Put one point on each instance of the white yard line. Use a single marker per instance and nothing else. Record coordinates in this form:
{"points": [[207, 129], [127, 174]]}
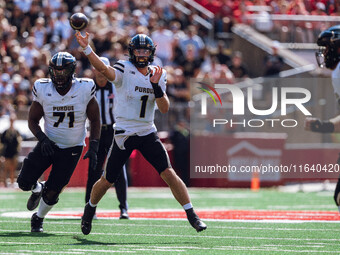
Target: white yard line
{"points": [[8, 253], [25, 243], [185, 236], [127, 224], [7, 209], [232, 248], [294, 245], [147, 249], [50, 252], [102, 251], [296, 207], [134, 248], [7, 197]]}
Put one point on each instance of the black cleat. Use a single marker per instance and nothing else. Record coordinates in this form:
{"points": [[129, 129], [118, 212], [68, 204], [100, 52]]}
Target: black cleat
{"points": [[124, 214], [86, 220], [195, 221], [36, 223], [34, 199]]}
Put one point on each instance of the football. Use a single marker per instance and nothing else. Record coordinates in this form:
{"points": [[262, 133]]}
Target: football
{"points": [[78, 21]]}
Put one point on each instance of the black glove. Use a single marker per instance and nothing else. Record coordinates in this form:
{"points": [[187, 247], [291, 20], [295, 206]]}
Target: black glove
{"points": [[47, 146], [92, 153], [322, 126]]}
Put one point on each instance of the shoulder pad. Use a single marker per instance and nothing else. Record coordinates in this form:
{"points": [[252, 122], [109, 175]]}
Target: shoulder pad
{"points": [[43, 81], [85, 80], [40, 85], [120, 65]]}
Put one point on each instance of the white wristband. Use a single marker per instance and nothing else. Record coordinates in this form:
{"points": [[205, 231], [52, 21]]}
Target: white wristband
{"points": [[87, 51]]}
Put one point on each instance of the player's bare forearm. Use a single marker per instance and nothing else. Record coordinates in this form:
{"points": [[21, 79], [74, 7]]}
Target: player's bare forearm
{"points": [[36, 112], [95, 130], [107, 71], [162, 99], [163, 103], [94, 59], [93, 115]]}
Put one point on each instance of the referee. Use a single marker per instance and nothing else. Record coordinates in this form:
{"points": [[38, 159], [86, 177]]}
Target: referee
{"points": [[105, 97]]}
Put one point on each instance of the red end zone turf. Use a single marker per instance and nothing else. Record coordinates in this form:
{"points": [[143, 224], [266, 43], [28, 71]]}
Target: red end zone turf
{"points": [[221, 215]]}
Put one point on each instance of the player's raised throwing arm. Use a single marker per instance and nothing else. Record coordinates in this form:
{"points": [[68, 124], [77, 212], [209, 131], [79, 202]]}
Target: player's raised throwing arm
{"points": [[107, 71]]}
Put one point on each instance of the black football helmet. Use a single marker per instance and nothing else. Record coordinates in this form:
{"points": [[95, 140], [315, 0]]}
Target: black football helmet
{"points": [[61, 68], [138, 42], [329, 42]]}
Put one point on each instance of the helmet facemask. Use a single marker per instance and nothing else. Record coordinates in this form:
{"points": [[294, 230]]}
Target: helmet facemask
{"points": [[142, 57], [61, 78], [328, 54], [141, 51], [327, 57], [61, 68], [320, 57]]}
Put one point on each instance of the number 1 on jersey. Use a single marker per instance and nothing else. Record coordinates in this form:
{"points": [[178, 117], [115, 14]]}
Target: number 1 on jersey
{"points": [[144, 100]]}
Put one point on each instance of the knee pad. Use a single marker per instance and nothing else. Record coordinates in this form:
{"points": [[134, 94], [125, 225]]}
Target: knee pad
{"points": [[50, 197], [24, 185], [24, 180]]}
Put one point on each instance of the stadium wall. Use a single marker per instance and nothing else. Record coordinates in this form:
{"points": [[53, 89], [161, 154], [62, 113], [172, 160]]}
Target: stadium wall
{"points": [[249, 147]]}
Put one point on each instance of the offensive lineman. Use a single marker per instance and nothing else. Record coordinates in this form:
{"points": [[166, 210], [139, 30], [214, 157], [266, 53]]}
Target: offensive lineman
{"points": [[328, 56], [140, 87], [64, 102]]}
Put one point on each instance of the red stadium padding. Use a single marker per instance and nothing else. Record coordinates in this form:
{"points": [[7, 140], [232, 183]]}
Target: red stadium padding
{"points": [[144, 175]]}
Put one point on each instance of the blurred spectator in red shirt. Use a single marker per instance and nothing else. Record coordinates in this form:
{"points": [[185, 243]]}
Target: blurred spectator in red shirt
{"points": [[212, 5]]}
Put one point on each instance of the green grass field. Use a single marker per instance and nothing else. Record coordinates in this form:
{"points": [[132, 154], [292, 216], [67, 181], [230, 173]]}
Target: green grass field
{"points": [[175, 236]]}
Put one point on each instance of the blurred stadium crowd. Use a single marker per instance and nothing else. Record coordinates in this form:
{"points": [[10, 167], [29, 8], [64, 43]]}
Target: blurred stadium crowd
{"points": [[33, 30]]}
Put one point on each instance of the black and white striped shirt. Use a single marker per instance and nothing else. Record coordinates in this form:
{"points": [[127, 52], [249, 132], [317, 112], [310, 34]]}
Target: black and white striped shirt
{"points": [[105, 97]]}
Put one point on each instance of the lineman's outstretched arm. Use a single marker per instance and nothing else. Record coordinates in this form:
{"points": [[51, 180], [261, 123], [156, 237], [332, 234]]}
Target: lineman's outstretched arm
{"points": [[93, 114], [36, 112], [317, 125]]}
